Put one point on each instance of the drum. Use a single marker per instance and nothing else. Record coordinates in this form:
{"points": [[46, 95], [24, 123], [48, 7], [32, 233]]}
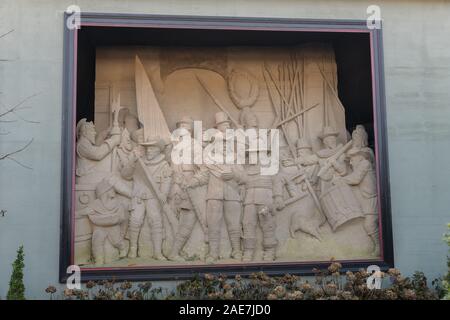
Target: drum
{"points": [[340, 205]]}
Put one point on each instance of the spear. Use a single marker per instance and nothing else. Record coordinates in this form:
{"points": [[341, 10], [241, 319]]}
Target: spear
{"points": [[218, 104]]}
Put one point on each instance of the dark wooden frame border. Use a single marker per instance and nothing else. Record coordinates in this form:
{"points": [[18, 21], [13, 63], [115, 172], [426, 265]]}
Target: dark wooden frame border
{"points": [[216, 23]]}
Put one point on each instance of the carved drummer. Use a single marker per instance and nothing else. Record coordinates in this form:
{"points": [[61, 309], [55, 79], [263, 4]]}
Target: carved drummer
{"points": [[331, 159], [106, 214]]}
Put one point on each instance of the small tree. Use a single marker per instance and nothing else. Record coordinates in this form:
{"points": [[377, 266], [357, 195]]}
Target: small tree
{"points": [[16, 287], [446, 281]]}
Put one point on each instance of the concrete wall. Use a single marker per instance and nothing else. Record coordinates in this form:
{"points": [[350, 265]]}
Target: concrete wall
{"points": [[417, 69]]}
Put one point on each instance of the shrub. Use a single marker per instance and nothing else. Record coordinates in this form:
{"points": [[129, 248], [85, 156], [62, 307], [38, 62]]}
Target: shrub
{"points": [[328, 284], [16, 287], [446, 282]]}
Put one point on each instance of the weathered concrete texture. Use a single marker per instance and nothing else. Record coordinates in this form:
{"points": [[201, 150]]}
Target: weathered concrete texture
{"points": [[417, 66]]}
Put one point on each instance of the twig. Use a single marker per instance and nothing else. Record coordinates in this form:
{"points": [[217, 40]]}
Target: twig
{"points": [[16, 106], [10, 154], [5, 34]]}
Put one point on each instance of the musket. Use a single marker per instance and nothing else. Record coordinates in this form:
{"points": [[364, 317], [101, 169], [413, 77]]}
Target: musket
{"points": [[294, 116], [333, 158], [309, 187], [217, 103], [164, 205]]}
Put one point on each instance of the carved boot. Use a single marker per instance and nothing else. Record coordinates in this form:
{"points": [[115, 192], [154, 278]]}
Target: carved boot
{"points": [[134, 235], [213, 254], [157, 235], [249, 249], [268, 226], [269, 254], [235, 239], [122, 250], [99, 257], [187, 222]]}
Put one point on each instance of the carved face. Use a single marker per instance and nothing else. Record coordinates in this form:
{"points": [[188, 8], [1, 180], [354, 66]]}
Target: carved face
{"points": [[89, 132], [185, 126], [222, 127], [151, 152], [330, 142], [359, 138], [131, 123], [109, 199]]}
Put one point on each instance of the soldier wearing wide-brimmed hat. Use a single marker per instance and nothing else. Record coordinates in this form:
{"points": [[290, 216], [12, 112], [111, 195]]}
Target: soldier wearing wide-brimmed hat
{"points": [[223, 201], [363, 180], [144, 201], [338, 166], [263, 194], [182, 175]]}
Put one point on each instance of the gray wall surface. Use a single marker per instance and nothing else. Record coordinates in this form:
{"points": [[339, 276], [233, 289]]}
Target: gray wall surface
{"points": [[417, 78]]}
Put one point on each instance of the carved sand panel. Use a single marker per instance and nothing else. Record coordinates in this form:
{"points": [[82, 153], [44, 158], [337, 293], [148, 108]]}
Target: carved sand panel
{"points": [[137, 206]]}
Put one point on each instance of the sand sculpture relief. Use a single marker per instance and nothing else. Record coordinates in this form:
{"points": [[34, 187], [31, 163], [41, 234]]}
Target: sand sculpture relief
{"points": [[136, 206]]}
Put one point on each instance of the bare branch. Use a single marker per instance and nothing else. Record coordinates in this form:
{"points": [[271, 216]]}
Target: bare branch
{"points": [[23, 119], [14, 108], [17, 151], [19, 163], [5, 34], [9, 155]]}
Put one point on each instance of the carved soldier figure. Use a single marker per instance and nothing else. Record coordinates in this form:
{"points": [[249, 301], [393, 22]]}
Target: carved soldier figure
{"points": [[338, 166], [306, 160], [296, 171], [182, 175], [365, 188], [360, 140], [154, 169], [222, 200], [262, 194], [106, 214], [88, 153]]}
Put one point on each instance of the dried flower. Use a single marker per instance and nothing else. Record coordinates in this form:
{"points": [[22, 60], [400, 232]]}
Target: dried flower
{"points": [[50, 289], [271, 296], [296, 295], [393, 272], [306, 286], [279, 291], [226, 286], [228, 294], [334, 267], [68, 292], [409, 294], [331, 288], [126, 285], [209, 277]]}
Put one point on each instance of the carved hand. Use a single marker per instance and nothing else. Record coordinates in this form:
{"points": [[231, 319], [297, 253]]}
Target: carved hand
{"points": [[279, 203], [288, 162], [227, 176]]}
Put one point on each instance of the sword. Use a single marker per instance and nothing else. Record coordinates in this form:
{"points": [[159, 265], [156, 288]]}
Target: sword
{"points": [[164, 205]]}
